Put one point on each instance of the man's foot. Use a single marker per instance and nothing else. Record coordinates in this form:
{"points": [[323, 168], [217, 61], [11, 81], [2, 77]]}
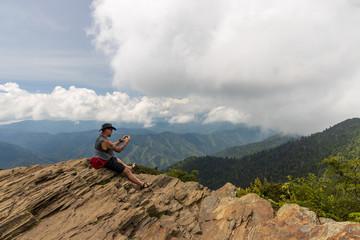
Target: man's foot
{"points": [[133, 166], [146, 185]]}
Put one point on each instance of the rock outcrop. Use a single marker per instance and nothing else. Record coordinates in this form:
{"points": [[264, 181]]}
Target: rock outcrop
{"points": [[70, 200]]}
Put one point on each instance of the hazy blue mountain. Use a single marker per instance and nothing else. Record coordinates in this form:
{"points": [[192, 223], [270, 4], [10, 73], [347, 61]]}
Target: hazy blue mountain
{"points": [[52, 126], [196, 127], [147, 147], [16, 156]]}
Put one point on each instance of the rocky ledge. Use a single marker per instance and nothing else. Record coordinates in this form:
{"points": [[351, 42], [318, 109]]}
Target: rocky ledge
{"points": [[70, 200]]}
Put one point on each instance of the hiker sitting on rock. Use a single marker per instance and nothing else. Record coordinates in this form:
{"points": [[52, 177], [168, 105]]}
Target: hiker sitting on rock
{"points": [[104, 150]]}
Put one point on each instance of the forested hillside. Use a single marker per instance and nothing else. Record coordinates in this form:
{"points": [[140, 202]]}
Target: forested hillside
{"points": [[248, 149], [297, 158]]}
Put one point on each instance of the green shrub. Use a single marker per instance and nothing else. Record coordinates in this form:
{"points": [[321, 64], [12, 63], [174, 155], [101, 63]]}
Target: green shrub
{"points": [[183, 176], [335, 194], [145, 170], [266, 190], [323, 195]]}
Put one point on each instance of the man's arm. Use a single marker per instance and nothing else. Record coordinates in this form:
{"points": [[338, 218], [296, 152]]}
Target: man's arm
{"points": [[107, 144]]}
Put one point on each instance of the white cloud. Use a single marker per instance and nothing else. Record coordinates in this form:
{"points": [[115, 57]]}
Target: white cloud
{"points": [[84, 104], [287, 64], [182, 119], [222, 114]]}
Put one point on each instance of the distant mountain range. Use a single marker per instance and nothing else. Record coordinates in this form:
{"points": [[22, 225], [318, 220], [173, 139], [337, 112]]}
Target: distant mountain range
{"points": [[241, 165], [147, 147], [15, 156], [236, 155], [66, 126]]}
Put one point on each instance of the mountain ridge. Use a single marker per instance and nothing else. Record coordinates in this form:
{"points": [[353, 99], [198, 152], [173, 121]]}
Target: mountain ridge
{"points": [[146, 147], [296, 158], [65, 126], [248, 149], [20, 156]]}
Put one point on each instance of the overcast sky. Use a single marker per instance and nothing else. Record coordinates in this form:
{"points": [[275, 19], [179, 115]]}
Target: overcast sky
{"points": [[285, 64]]}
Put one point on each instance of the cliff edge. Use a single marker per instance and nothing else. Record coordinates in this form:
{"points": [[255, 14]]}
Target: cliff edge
{"points": [[71, 200]]}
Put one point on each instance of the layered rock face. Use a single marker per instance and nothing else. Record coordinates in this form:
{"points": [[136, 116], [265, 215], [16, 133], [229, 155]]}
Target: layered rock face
{"points": [[71, 200]]}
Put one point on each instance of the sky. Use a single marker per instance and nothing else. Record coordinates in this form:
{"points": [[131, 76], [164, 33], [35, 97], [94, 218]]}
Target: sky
{"points": [[288, 65]]}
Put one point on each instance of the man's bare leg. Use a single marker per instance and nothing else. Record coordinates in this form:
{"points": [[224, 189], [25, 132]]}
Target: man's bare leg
{"points": [[132, 177], [125, 165]]}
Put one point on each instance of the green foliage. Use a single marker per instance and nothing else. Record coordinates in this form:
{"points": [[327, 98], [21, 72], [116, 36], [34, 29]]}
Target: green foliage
{"points": [[156, 214], [345, 173], [145, 170], [98, 220], [355, 216], [104, 182], [183, 176], [335, 194], [271, 191], [316, 194], [34, 224]]}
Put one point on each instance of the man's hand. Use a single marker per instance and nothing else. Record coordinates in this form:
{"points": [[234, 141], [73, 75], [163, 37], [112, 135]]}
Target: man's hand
{"points": [[115, 147], [125, 138]]}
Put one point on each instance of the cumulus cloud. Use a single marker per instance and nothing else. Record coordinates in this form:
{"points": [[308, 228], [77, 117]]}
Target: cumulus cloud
{"points": [[287, 64], [220, 113], [84, 104], [182, 119]]}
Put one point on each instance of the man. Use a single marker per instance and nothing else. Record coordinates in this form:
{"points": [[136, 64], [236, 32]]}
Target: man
{"points": [[104, 149]]}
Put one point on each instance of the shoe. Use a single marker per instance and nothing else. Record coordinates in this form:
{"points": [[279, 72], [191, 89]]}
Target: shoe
{"points": [[146, 185]]}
